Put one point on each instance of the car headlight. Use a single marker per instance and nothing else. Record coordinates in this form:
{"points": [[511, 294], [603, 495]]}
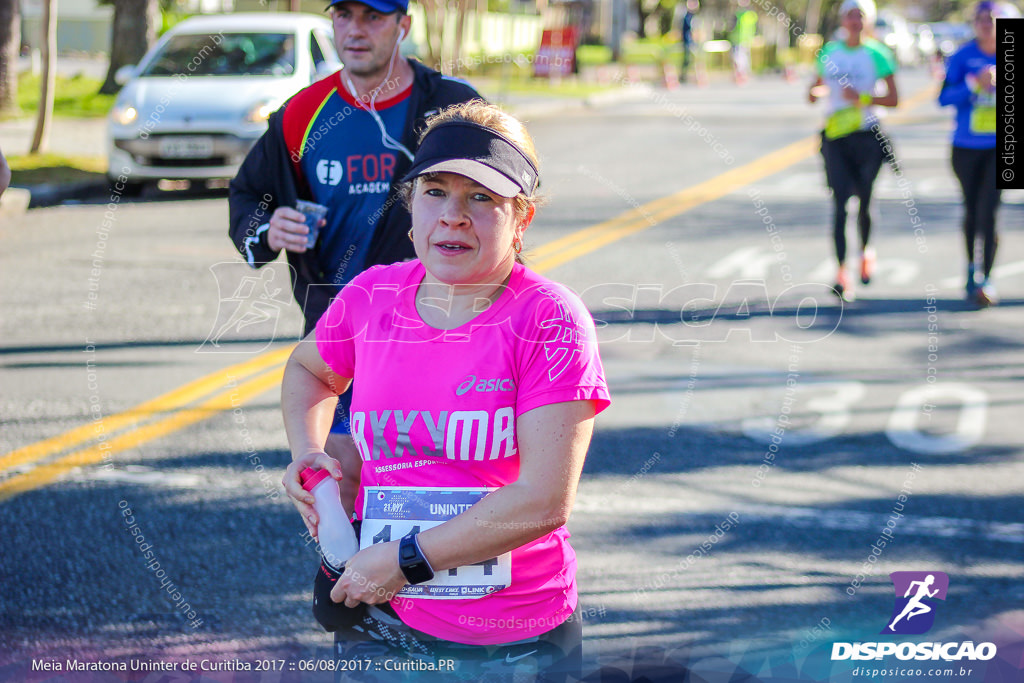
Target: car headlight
{"points": [[260, 112], [124, 114]]}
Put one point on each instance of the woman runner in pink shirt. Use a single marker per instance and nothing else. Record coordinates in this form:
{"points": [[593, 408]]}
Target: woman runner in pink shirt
{"points": [[479, 381]]}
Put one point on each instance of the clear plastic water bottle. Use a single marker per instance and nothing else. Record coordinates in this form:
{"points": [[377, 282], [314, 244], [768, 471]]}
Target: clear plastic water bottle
{"points": [[335, 534]]}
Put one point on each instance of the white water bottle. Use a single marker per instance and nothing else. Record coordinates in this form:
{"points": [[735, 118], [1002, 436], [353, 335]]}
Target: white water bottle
{"points": [[335, 534]]}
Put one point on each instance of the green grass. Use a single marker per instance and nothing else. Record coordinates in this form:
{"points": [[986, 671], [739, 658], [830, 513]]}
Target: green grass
{"points": [[647, 51], [37, 169], [75, 97], [593, 55], [566, 87]]}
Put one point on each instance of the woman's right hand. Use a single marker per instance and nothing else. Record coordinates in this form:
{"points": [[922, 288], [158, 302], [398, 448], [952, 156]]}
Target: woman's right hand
{"points": [[301, 498]]}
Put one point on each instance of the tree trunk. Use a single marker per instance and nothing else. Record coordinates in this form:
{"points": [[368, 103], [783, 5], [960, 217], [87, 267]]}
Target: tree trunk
{"points": [[41, 139], [813, 18], [431, 14], [10, 46], [460, 32], [641, 12], [132, 34]]}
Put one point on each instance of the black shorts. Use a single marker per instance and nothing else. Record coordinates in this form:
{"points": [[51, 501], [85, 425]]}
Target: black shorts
{"points": [[383, 648], [852, 163]]}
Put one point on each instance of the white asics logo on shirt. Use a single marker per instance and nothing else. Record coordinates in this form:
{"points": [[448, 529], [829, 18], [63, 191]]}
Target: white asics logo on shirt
{"points": [[328, 172], [455, 435], [498, 384]]}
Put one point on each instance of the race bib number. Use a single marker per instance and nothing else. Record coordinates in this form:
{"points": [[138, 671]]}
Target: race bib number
{"points": [[844, 122], [983, 120], [391, 512]]}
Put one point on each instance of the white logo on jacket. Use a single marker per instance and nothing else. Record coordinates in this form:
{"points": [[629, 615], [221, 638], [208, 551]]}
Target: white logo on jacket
{"points": [[328, 171]]}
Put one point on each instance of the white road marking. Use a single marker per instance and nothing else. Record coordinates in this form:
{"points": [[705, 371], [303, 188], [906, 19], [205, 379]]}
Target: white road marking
{"points": [[916, 406], [998, 273], [749, 263]]}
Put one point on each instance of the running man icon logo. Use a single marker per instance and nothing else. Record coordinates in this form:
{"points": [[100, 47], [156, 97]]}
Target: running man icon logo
{"points": [[917, 594], [249, 310]]}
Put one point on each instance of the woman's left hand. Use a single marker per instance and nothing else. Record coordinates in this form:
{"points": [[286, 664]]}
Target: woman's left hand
{"points": [[372, 576]]}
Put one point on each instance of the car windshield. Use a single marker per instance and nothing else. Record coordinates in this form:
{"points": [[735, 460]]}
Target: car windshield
{"points": [[225, 54]]}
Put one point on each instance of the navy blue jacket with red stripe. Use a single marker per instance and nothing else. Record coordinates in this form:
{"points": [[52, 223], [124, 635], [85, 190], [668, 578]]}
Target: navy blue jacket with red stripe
{"points": [[268, 179]]}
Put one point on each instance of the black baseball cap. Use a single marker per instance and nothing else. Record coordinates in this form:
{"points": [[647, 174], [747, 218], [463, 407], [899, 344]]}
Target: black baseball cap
{"points": [[479, 153]]}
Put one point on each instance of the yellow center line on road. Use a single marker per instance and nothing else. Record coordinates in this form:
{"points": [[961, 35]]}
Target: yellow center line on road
{"points": [[650, 214], [545, 258], [167, 403], [565, 249], [226, 400]]}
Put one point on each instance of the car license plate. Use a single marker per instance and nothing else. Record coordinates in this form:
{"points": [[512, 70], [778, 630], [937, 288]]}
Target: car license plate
{"points": [[186, 147]]}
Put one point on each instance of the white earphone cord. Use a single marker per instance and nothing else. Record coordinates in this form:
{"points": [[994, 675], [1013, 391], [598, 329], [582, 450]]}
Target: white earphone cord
{"points": [[388, 141]]}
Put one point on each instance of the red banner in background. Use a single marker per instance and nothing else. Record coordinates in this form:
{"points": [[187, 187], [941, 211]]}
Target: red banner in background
{"points": [[556, 55]]}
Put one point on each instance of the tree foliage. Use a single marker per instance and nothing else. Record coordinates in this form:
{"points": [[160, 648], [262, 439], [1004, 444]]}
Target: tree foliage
{"points": [[654, 15]]}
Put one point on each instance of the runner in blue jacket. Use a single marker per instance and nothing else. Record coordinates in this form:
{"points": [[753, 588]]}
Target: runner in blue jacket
{"points": [[970, 87]]}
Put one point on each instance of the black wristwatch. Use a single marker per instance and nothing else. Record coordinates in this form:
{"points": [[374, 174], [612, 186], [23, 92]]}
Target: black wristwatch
{"points": [[412, 562]]}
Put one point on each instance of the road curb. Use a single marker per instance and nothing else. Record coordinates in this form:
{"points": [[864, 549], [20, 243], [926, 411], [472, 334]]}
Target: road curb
{"points": [[50, 194], [14, 202]]}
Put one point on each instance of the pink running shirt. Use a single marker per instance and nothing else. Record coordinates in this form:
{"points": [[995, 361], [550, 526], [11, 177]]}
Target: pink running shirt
{"points": [[437, 408]]}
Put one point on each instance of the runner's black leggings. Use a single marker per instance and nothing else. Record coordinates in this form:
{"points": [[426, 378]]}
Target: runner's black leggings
{"points": [[551, 657], [976, 171], [851, 166]]}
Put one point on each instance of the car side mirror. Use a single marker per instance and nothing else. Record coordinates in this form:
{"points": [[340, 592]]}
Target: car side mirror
{"points": [[124, 74]]}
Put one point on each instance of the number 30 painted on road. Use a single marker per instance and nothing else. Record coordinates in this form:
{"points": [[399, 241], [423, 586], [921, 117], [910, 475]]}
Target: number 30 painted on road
{"points": [[903, 429], [970, 428]]}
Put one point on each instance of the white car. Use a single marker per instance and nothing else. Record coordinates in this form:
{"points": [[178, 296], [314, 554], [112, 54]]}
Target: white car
{"points": [[198, 101]]}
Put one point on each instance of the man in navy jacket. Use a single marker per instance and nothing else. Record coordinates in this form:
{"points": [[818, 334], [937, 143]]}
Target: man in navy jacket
{"points": [[343, 142]]}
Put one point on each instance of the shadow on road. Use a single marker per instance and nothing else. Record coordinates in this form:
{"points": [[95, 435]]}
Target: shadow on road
{"points": [[81, 585], [111, 569], [99, 192]]}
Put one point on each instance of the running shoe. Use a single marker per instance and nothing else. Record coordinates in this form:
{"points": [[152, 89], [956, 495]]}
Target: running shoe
{"points": [[986, 295], [842, 286], [867, 264], [972, 286]]}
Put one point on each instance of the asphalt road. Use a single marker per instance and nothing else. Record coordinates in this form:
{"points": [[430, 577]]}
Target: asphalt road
{"points": [[703, 541]]}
